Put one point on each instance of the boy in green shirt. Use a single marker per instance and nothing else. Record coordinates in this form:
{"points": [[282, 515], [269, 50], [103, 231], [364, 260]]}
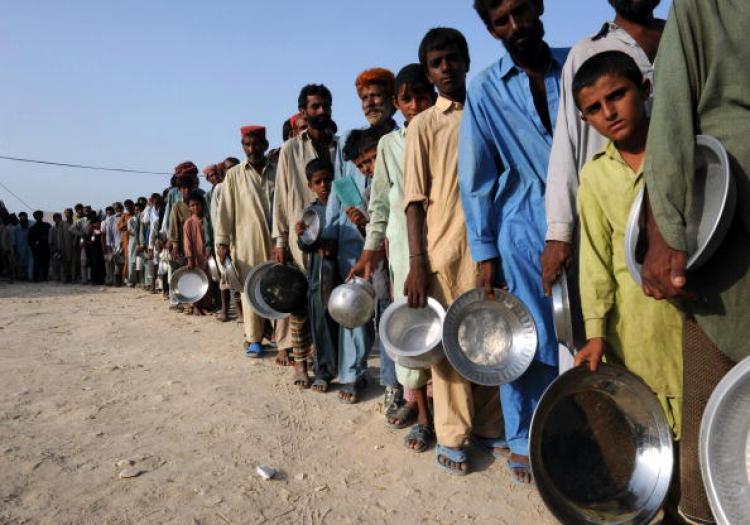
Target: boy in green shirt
{"points": [[622, 324]]}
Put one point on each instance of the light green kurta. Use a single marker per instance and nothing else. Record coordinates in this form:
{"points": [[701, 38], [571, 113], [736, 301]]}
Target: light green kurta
{"points": [[386, 209], [702, 85], [642, 334]]}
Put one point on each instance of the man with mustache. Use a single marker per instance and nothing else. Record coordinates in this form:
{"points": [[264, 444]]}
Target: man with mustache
{"points": [[635, 32], [504, 147]]}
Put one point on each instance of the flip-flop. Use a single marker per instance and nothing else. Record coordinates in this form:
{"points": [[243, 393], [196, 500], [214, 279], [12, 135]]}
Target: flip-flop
{"points": [[320, 382], [254, 350], [423, 434], [491, 444], [405, 413], [454, 455], [516, 465]]}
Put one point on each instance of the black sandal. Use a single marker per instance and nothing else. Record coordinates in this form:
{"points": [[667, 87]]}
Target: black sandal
{"points": [[424, 435]]}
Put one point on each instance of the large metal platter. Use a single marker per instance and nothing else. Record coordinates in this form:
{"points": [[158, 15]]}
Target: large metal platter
{"points": [[213, 269], [189, 286], [312, 220], [253, 295], [709, 215], [725, 447], [601, 448], [561, 310], [489, 341], [411, 332]]}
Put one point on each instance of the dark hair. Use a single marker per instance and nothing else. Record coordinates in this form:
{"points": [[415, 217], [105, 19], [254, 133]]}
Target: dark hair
{"points": [[607, 63], [286, 129], [38, 212], [23, 213], [128, 202], [156, 196], [198, 197], [56, 215], [233, 160], [79, 205], [311, 90], [441, 38], [482, 7], [318, 165], [109, 208], [362, 140], [414, 78]]}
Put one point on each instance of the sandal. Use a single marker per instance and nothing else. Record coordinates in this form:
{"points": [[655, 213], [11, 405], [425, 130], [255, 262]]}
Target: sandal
{"points": [[393, 399], [454, 455], [424, 435], [492, 445], [320, 385], [253, 350], [515, 466], [405, 415]]}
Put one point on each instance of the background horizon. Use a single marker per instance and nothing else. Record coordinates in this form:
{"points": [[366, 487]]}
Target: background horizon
{"points": [[147, 85]]}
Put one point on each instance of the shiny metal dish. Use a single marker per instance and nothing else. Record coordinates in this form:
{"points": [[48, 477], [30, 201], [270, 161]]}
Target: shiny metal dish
{"points": [[163, 267], [724, 448], [412, 331], [213, 269], [233, 276], [601, 448], [312, 221], [189, 286], [489, 341], [352, 304], [254, 296], [709, 215], [562, 314]]}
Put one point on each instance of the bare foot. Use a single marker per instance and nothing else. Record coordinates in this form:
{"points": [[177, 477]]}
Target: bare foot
{"points": [[301, 379], [282, 357], [455, 466], [520, 469]]}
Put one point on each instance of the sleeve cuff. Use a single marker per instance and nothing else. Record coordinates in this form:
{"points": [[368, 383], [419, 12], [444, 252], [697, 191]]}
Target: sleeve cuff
{"points": [[674, 235], [415, 198], [596, 328], [280, 242], [560, 231], [484, 251]]}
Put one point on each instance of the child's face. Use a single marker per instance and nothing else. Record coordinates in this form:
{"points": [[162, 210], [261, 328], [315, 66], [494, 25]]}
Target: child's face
{"points": [[411, 102], [614, 106], [366, 162], [196, 208], [320, 185]]}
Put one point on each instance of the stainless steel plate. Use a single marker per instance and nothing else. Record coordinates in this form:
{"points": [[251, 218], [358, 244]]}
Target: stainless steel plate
{"points": [[312, 221], [561, 310], [411, 332], [489, 341], [709, 215], [189, 286], [255, 298], [213, 269], [725, 447], [233, 277], [601, 448]]}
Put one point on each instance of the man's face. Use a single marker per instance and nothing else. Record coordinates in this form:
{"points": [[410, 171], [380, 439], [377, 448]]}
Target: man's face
{"points": [[317, 113], [118, 209], [23, 219], [366, 162], [446, 69], [517, 24], [196, 208], [614, 106], [320, 184], [38, 216], [376, 105], [300, 125], [79, 210], [635, 10], [255, 148], [68, 214], [110, 213], [211, 178], [57, 219], [87, 210], [411, 102], [185, 192]]}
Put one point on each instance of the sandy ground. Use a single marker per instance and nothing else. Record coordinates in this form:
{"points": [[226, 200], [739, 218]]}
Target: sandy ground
{"points": [[91, 377]]}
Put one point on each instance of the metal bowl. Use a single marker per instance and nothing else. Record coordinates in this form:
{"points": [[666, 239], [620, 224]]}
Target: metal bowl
{"points": [[561, 311], [233, 276], [312, 221], [724, 448], [489, 341], [163, 267], [601, 448], [709, 215], [189, 285], [213, 269], [420, 362], [352, 304], [255, 298], [411, 332]]}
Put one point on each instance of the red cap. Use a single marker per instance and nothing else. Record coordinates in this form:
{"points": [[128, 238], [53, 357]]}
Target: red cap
{"points": [[253, 130], [186, 168]]}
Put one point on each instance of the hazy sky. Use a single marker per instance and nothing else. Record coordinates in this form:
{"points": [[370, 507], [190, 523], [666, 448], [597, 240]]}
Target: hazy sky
{"points": [[145, 84]]}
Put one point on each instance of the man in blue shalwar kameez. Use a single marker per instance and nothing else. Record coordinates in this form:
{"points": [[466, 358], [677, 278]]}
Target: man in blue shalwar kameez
{"points": [[504, 147]]}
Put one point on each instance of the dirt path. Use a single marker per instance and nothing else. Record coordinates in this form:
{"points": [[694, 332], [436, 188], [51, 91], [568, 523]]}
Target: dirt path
{"points": [[90, 377]]}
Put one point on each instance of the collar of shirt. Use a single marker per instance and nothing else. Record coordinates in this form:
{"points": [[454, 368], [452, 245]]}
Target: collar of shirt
{"points": [[612, 30], [612, 153], [445, 105], [509, 67], [247, 166]]}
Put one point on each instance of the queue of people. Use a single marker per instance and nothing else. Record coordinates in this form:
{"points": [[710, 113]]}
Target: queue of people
{"points": [[524, 174]]}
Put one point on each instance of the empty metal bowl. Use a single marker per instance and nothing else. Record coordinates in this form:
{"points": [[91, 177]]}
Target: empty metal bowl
{"points": [[255, 298], [724, 448], [284, 288], [189, 286], [352, 304], [561, 312], [601, 448], [413, 335], [312, 221], [709, 215], [489, 341], [213, 269]]}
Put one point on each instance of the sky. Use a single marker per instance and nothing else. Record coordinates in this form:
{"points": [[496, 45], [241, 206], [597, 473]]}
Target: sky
{"points": [[146, 84]]}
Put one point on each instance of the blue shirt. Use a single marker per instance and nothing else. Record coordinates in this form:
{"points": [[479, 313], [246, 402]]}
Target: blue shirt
{"points": [[503, 157]]}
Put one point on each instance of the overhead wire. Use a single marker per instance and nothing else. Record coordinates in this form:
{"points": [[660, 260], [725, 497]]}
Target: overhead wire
{"points": [[82, 166], [6, 188]]}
